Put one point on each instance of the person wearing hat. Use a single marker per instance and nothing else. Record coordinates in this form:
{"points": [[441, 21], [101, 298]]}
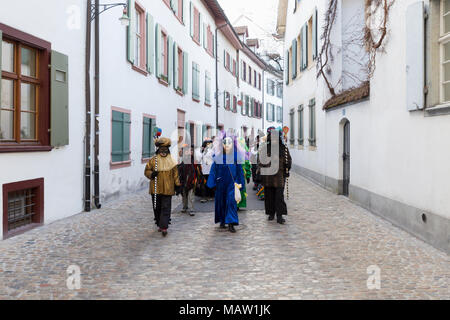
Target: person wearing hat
{"points": [[206, 163], [274, 170], [189, 173], [162, 171]]}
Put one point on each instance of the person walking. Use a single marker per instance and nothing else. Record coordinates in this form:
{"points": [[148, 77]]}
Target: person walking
{"points": [[162, 171], [189, 173], [226, 175], [206, 163], [275, 164]]}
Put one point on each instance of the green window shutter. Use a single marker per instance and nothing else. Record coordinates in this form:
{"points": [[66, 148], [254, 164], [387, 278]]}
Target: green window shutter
{"points": [[146, 138], [152, 143], [242, 100], [192, 19], [300, 125], [158, 51], [314, 34], [175, 66], [59, 101], [204, 132], [170, 59], [126, 137], [187, 134], [305, 46], [286, 69], [294, 58], [117, 136], [302, 51], [267, 111], [200, 29], [150, 43], [130, 31], [174, 4], [205, 41], [185, 72]]}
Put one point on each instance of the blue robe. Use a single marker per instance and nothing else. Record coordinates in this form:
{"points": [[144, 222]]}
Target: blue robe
{"points": [[220, 178]]}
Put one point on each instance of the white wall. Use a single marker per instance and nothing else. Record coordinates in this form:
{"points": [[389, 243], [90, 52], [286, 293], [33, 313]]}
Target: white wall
{"points": [[397, 154], [62, 168]]}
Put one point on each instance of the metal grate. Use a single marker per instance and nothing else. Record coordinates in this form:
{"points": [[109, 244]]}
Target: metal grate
{"points": [[21, 208]]}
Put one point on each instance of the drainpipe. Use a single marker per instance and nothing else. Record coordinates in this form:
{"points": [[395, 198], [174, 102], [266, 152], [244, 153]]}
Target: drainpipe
{"points": [[263, 103], [217, 80], [97, 104], [87, 142]]}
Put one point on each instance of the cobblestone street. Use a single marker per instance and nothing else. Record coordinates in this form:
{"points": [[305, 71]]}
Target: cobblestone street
{"points": [[323, 252]]}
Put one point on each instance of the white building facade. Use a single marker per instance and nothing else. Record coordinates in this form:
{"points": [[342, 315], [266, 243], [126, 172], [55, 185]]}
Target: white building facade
{"points": [[381, 142], [160, 71]]}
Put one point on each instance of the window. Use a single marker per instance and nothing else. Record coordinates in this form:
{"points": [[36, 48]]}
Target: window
{"points": [[279, 90], [279, 114], [177, 8], [140, 42], [207, 88], [228, 62], [312, 122], [164, 57], [180, 70], [195, 81], [259, 81], [148, 145], [24, 96], [244, 69], [195, 24], [23, 202], [121, 127], [227, 98], [445, 50], [234, 67], [247, 105], [292, 127], [270, 112], [300, 126], [249, 75], [210, 41], [234, 104]]}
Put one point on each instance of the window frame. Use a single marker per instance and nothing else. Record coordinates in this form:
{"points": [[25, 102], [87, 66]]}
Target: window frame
{"points": [[42, 141], [141, 21], [444, 38], [164, 54]]}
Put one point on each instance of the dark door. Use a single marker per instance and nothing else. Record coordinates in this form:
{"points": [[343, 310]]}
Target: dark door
{"points": [[346, 157]]}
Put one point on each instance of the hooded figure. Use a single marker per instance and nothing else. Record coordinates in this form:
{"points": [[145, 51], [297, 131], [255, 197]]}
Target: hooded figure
{"points": [[225, 172], [274, 182], [162, 171]]}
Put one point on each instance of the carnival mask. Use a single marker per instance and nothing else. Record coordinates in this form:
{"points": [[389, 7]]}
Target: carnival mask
{"points": [[228, 145]]}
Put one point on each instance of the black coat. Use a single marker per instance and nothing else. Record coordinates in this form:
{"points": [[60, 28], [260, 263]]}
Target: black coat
{"points": [[283, 157]]}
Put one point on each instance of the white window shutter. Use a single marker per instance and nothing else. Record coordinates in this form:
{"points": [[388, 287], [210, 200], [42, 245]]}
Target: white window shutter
{"points": [[415, 56], [150, 43], [185, 72]]}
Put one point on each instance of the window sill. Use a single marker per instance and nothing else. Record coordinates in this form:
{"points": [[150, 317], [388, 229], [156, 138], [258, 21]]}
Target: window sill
{"points": [[196, 41], [24, 148], [180, 93], [118, 165], [300, 147], [140, 70], [163, 82], [196, 100], [207, 104], [438, 110], [21, 230]]}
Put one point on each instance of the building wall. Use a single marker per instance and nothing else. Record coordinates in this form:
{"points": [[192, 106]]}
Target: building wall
{"points": [[273, 99], [398, 158], [61, 168]]}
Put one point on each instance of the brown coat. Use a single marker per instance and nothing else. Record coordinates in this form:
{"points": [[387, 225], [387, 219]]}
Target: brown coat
{"points": [[277, 180], [166, 180]]}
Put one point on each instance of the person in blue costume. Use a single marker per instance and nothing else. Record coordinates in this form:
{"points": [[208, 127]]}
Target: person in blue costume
{"points": [[226, 170]]}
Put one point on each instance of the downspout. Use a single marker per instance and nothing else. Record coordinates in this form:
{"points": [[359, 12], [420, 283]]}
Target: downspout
{"points": [[97, 105], [217, 80], [87, 142], [263, 102]]}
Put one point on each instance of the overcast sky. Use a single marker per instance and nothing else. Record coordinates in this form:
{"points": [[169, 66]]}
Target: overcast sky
{"points": [[259, 15]]}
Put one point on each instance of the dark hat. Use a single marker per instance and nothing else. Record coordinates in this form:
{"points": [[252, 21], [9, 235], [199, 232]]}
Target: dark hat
{"points": [[163, 142]]}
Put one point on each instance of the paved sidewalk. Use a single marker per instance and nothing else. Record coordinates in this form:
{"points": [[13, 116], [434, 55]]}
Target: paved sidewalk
{"points": [[323, 252]]}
